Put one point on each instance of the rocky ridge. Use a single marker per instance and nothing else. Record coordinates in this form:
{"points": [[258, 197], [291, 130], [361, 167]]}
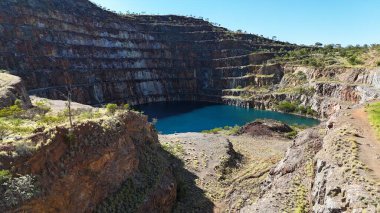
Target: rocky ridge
{"points": [[322, 172], [104, 163]]}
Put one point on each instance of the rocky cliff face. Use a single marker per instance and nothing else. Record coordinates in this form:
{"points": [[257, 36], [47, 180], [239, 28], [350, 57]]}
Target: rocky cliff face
{"points": [[135, 59], [138, 59], [326, 90], [76, 170], [325, 170]]}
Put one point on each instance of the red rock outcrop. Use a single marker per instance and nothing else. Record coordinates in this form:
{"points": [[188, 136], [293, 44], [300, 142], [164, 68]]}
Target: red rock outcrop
{"points": [[77, 171]]}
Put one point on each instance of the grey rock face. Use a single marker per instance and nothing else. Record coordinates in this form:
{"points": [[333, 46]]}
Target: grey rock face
{"points": [[12, 89], [134, 59]]}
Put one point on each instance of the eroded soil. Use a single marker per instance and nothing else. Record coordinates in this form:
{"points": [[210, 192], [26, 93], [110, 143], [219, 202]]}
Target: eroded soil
{"points": [[229, 169]]}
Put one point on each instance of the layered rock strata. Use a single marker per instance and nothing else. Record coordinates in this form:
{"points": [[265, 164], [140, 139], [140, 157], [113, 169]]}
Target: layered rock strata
{"points": [[326, 90], [106, 57]]}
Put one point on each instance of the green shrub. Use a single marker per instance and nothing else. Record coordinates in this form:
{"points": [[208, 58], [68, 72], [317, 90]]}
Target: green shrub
{"points": [[378, 64], [302, 109], [5, 175], [175, 149], [212, 131], [11, 111], [294, 107], [18, 103], [111, 108], [233, 130], [70, 137], [42, 104], [302, 76], [286, 106], [306, 110], [310, 111], [353, 60], [292, 134]]}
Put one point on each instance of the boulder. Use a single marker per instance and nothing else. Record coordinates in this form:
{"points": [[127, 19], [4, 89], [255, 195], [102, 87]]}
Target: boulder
{"points": [[12, 89]]}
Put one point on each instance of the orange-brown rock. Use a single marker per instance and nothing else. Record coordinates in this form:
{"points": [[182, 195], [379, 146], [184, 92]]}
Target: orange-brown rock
{"points": [[77, 170]]}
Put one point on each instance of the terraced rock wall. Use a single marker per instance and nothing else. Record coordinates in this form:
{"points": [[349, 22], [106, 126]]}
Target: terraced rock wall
{"points": [[137, 59], [326, 90]]}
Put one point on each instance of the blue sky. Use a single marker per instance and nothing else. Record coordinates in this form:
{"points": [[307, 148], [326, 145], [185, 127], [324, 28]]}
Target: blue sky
{"points": [[297, 21]]}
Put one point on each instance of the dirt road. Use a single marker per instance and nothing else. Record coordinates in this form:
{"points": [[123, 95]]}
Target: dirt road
{"points": [[369, 144]]}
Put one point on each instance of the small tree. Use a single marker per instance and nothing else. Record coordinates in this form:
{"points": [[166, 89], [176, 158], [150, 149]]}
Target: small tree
{"points": [[68, 81], [318, 44]]}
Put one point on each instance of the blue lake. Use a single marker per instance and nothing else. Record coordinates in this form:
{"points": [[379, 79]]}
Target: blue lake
{"points": [[179, 117]]}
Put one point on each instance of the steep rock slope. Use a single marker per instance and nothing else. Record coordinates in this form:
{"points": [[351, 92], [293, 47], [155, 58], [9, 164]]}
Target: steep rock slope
{"points": [[325, 90], [106, 57], [324, 171], [107, 163], [135, 59]]}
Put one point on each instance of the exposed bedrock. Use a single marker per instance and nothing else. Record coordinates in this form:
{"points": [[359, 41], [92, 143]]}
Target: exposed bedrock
{"points": [[110, 58], [264, 128], [105, 57], [12, 89], [97, 166], [322, 172], [326, 90]]}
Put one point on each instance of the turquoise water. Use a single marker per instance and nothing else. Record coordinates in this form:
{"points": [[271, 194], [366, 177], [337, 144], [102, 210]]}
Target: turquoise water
{"points": [[179, 117]]}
